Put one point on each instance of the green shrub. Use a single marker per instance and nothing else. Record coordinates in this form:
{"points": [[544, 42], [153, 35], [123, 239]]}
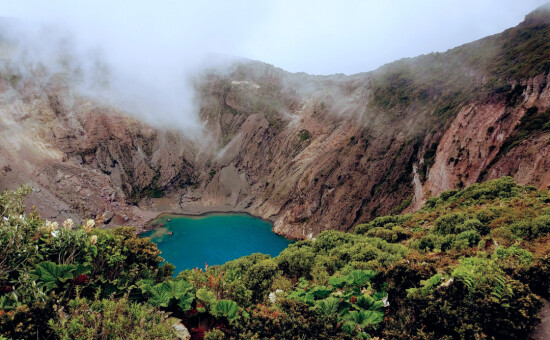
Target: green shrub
{"points": [[527, 229], [473, 224], [393, 235], [434, 242], [479, 301], [426, 243], [513, 253], [12, 203], [290, 320], [215, 334], [304, 135], [27, 320], [118, 319], [538, 276], [259, 279], [296, 261], [387, 222], [239, 267], [470, 237], [449, 224], [366, 249], [330, 239], [503, 188], [455, 311], [324, 267], [236, 290], [541, 226]]}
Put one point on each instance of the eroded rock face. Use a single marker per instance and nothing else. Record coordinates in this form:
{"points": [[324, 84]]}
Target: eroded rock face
{"points": [[471, 149], [50, 139], [291, 153]]}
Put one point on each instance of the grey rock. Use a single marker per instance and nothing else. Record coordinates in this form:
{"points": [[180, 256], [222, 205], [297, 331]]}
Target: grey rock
{"points": [[108, 216], [181, 331]]}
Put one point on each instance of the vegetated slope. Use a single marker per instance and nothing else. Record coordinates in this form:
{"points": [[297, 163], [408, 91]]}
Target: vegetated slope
{"points": [[470, 264], [309, 152]]}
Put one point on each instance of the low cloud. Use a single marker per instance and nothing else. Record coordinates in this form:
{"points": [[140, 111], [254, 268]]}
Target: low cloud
{"points": [[136, 57], [140, 55]]}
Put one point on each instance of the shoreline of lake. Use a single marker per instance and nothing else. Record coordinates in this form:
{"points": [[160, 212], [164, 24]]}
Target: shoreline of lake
{"points": [[150, 225]]}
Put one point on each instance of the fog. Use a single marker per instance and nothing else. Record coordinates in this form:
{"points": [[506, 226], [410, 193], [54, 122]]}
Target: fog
{"points": [[140, 55], [318, 37]]}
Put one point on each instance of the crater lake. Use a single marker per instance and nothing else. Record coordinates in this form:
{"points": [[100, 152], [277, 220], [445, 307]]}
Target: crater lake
{"points": [[193, 241]]}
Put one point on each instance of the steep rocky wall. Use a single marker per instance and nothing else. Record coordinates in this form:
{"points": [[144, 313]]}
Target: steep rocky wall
{"points": [[471, 149], [298, 154], [309, 162]]}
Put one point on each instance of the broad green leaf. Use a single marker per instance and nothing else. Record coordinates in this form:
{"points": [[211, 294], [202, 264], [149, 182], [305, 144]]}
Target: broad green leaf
{"points": [[51, 275], [328, 306], [366, 302], [321, 292], [365, 318], [206, 296], [226, 308], [169, 293], [337, 282], [185, 302], [146, 285], [360, 277]]}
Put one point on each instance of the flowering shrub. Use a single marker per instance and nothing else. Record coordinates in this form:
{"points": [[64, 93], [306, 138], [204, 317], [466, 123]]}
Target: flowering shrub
{"points": [[467, 265]]}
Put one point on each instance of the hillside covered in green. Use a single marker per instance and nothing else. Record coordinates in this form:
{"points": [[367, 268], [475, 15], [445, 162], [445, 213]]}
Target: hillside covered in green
{"points": [[471, 264], [446, 81]]}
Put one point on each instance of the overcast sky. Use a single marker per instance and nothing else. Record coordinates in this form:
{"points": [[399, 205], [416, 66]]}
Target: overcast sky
{"points": [[319, 37]]}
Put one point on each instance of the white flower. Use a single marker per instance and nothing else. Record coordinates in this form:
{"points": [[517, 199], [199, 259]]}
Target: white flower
{"points": [[68, 223], [55, 232], [386, 302], [89, 225], [273, 295], [93, 239], [447, 283], [51, 226]]}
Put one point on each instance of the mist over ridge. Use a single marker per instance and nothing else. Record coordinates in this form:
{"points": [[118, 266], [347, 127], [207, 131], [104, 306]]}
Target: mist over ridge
{"points": [[143, 58]]}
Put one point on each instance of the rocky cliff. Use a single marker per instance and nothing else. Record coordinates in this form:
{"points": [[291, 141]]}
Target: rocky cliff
{"points": [[309, 152]]}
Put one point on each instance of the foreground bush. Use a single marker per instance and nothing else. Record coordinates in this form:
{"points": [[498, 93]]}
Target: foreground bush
{"points": [[470, 264], [113, 319]]}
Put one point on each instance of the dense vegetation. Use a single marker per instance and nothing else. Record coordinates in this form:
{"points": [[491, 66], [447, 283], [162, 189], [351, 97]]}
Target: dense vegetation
{"points": [[471, 264], [443, 82]]}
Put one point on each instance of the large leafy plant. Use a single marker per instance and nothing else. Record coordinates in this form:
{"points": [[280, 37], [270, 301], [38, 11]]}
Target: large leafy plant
{"points": [[51, 275], [347, 297], [169, 294]]}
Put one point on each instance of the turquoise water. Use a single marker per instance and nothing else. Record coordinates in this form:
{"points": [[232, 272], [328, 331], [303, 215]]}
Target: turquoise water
{"points": [[213, 239]]}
